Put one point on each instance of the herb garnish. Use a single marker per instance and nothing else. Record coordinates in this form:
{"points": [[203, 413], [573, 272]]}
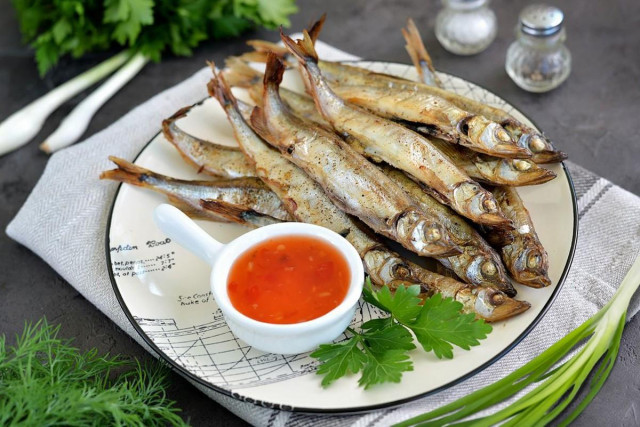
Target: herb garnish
{"points": [[381, 349], [46, 381], [149, 27]]}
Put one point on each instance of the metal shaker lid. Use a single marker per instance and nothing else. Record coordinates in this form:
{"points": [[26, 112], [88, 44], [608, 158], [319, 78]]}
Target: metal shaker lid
{"points": [[541, 20]]}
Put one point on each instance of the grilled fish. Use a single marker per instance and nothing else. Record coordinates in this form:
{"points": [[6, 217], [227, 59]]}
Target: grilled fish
{"points": [[478, 264], [481, 168], [398, 145], [353, 184], [307, 202], [187, 195], [494, 170], [438, 118], [522, 253], [212, 159]]}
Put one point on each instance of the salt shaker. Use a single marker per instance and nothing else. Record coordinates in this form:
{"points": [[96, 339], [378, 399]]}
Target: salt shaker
{"points": [[466, 27], [538, 60]]}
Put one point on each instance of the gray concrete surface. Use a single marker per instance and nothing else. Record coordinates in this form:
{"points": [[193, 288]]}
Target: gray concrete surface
{"points": [[593, 116]]}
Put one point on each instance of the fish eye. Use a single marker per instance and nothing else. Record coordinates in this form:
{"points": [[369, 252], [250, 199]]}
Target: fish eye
{"points": [[503, 135], [489, 268], [490, 205], [533, 261], [536, 144], [401, 270], [432, 234]]}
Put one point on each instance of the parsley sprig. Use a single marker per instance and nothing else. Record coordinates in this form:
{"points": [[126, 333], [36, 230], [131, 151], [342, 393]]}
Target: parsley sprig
{"points": [[381, 349], [150, 27]]}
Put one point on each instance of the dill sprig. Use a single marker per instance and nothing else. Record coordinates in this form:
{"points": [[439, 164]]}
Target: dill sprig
{"points": [[44, 380]]}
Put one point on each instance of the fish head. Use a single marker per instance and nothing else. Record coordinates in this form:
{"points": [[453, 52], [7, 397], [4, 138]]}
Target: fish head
{"points": [[493, 305], [541, 148], [385, 267], [424, 236], [530, 264], [479, 204], [492, 138], [484, 270], [515, 171]]}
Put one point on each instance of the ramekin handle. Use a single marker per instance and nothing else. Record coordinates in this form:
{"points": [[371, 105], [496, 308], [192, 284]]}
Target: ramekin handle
{"points": [[180, 228]]}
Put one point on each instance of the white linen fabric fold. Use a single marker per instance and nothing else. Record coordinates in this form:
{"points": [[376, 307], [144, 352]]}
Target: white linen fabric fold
{"points": [[64, 219]]}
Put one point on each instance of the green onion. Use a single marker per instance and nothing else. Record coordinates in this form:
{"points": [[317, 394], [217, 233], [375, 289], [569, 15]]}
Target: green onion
{"points": [[74, 125], [557, 386], [23, 125]]}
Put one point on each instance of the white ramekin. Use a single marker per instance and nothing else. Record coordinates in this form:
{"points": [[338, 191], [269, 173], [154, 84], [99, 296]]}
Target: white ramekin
{"points": [[270, 337]]}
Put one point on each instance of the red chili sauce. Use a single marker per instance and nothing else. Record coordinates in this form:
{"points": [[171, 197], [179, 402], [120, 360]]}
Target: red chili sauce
{"points": [[288, 279]]}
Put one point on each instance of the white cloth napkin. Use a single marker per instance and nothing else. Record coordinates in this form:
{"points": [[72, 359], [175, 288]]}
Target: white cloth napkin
{"points": [[64, 220]]}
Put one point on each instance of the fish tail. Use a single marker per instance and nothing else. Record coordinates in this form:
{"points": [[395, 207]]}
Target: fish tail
{"points": [[129, 173], [315, 29], [274, 72], [219, 89], [301, 49], [418, 53], [238, 73], [414, 45]]}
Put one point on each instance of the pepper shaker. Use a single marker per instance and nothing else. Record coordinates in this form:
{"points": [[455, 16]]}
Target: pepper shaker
{"points": [[538, 60], [466, 27]]}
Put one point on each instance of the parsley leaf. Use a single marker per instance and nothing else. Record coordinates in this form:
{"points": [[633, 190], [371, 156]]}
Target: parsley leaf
{"points": [[381, 349], [393, 336], [129, 17], [440, 324], [385, 367], [403, 304], [339, 359]]}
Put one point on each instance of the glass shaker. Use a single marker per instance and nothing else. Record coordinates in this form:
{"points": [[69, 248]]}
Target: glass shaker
{"points": [[538, 60], [466, 27]]}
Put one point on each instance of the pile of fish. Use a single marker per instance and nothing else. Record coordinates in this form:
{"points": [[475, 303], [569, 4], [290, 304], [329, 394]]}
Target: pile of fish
{"points": [[374, 158]]}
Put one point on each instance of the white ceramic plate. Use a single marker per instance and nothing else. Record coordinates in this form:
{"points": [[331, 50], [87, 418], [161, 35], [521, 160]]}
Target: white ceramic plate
{"points": [[164, 290]]}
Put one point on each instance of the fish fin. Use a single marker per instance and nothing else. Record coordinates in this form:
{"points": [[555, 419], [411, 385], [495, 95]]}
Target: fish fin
{"points": [[219, 89], [193, 212], [274, 71], [315, 29], [301, 49], [259, 124], [238, 214], [265, 46], [239, 73]]}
